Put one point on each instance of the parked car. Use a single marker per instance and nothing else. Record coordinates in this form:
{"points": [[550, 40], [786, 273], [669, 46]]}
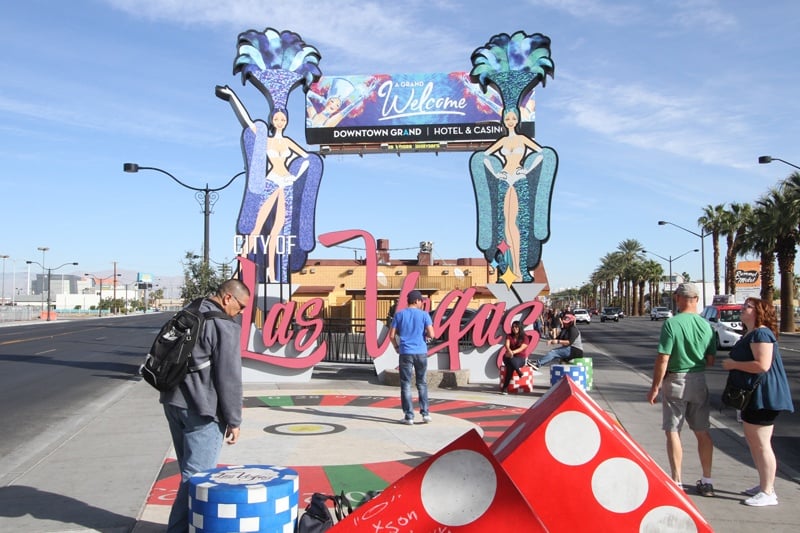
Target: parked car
{"points": [[726, 321], [659, 313], [582, 315], [610, 313]]}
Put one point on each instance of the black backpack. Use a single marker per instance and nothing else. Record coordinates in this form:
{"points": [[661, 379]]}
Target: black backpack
{"points": [[170, 356], [317, 517]]}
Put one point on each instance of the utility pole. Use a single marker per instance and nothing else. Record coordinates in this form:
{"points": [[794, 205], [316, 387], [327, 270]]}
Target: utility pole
{"points": [[114, 301]]}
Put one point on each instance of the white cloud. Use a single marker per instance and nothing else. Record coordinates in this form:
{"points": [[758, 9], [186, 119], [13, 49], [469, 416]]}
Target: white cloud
{"points": [[685, 125], [705, 15], [362, 29], [599, 10]]}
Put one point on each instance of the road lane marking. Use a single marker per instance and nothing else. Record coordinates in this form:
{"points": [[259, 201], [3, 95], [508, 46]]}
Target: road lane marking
{"points": [[17, 341]]}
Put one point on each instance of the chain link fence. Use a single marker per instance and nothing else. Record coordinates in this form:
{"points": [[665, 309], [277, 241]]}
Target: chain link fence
{"points": [[14, 313]]}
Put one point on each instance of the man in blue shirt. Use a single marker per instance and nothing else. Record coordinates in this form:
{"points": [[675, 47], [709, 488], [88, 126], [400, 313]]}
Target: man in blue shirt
{"points": [[410, 330]]}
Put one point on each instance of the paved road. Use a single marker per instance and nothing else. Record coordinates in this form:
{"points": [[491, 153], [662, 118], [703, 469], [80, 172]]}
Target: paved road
{"points": [[97, 478], [76, 367], [633, 341], [75, 372]]}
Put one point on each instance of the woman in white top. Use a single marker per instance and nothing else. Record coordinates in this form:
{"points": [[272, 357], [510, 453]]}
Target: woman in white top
{"points": [[286, 162], [512, 149]]}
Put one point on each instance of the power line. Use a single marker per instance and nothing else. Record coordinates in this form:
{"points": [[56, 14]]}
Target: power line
{"points": [[361, 248]]}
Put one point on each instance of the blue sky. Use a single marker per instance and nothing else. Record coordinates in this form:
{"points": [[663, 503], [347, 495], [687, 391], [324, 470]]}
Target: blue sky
{"points": [[656, 110]]}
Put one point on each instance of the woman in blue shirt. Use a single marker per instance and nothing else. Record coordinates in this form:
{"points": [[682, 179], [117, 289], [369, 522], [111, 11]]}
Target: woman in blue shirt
{"points": [[757, 354]]}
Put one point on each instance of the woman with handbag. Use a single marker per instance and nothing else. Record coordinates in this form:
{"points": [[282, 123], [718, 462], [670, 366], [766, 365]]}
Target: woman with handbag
{"points": [[755, 362]]}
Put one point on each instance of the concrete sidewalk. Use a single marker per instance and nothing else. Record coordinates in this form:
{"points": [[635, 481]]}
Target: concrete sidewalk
{"points": [[99, 479], [622, 391]]}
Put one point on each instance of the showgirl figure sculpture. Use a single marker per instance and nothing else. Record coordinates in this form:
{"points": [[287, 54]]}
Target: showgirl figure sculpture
{"points": [[282, 178], [513, 179]]}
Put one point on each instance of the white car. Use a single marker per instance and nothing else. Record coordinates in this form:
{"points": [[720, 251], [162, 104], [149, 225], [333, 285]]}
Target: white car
{"points": [[659, 313], [582, 315], [726, 321]]}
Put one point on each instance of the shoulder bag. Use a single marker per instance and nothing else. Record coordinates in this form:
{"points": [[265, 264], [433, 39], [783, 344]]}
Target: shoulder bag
{"points": [[738, 396]]}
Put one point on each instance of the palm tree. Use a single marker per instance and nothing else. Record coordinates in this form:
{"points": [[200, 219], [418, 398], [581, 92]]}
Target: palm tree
{"points": [[585, 292], [712, 223], [727, 230], [780, 202], [740, 215], [759, 238], [654, 274], [602, 282], [639, 273], [631, 252], [785, 201], [609, 270]]}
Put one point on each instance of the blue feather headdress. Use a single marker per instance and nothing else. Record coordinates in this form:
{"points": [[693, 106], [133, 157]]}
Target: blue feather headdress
{"points": [[276, 63], [513, 65]]}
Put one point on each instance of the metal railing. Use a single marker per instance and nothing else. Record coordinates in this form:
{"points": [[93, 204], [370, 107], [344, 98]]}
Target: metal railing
{"points": [[346, 344], [345, 340]]}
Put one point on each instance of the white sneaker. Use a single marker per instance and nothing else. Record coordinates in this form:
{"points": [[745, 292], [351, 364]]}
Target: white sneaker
{"points": [[752, 491], [426, 419], [408, 421], [762, 499]]}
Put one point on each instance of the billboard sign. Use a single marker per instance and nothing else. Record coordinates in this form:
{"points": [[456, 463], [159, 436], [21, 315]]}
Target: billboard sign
{"points": [[407, 112], [144, 280], [748, 280]]}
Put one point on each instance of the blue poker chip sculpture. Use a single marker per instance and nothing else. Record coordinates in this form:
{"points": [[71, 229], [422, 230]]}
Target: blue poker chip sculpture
{"points": [[257, 498]]}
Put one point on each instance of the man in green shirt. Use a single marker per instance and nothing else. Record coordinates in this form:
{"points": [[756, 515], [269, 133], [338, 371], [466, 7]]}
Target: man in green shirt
{"points": [[685, 349]]}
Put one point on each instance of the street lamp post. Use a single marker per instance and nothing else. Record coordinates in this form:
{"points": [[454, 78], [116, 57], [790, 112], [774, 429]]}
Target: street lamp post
{"points": [[670, 260], [702, 236], [206, 197], [3, 291], [114, 297], [101, 280], [13, 283], [126, 285], [14, 292], [764, 159], [49, 276], [43, 249]]}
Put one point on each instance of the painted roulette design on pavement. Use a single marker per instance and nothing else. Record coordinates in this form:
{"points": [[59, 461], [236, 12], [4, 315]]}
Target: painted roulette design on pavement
{"points": [[305, 419]]}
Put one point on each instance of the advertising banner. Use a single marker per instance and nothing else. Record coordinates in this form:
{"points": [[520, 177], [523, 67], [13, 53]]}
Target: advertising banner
{"points": [[748, 280], [407, 111], [144, 280]]}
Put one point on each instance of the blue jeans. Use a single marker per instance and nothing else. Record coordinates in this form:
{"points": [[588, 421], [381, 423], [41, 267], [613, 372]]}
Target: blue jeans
{"points": [[562, 352], [419, 364], [197, 441]]}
